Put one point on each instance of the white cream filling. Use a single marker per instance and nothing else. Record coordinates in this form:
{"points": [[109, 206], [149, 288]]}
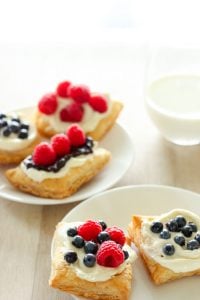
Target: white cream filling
{"points": [[96, 273], [73, 162], [90, 119], [182, 260]]}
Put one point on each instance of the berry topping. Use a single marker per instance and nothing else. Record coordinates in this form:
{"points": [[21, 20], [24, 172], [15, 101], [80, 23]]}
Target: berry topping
{"points": [[156, 227], [172, 225], [89, 230], [165, 234], [76, 135], [25, 126], [91, 247], [168, 249], [193, 226], [98, 103], [62, 89], [2, 116], [192, 245], [3, 123], [60, 144], [103, 224], [44, 154], [187, 231], [197, 237], [180, 240], [117, 235], [16, 120], [15, 126], [89, 260], [6, 131], [126, 254], [79, 93], [72, 231], [78, 241], [70, 257], [72, 113], [48, 104], [181, 221], [23, 134], [110, 255], [103, 236]]}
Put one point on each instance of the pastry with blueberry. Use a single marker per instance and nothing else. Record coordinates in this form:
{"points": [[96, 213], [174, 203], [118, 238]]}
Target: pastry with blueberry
{"points": [[59, 168], [17, 138], [95, 113], [92, 260], [169, 244]]}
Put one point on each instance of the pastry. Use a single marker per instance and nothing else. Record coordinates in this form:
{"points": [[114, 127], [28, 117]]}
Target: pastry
{"points": [[59, 169], [91, 260], [17, 138], [95, 113], [169, 244]]}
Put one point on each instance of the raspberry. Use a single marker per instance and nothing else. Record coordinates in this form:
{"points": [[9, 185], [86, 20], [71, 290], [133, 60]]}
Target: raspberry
{"points": [[62, 89], [116, 234], [44, 154], [60, 144], [76, 135], [72, 113], [48, 104], [89, 230], [79, 93], [110, 255], [98, 103]]}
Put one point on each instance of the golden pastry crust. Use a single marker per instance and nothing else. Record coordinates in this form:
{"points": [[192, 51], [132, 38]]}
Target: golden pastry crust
{"points": [[64, 278], [59, 188], [102, 128], [158, 273], [14, 157]]}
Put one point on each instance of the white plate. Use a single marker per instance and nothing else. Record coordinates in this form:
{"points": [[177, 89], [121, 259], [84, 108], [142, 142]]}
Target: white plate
{"points": [[116, 208], [117, 141]]}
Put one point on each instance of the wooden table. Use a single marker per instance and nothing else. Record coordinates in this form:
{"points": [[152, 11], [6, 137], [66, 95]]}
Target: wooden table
{"points": [[28, 72]]}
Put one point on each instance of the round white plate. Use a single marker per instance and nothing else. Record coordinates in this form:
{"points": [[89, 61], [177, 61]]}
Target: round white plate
{"points": [[116, 208], [117, 141]]}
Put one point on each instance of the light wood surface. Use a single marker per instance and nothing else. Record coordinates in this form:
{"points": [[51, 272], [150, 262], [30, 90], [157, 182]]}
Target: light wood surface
{"points": [[28, 72]]}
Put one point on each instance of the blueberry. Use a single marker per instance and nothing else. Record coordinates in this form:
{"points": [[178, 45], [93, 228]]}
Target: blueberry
{"points": [[103, 224], [172, 225], [2, 116], [192, 245], [70, 257], [6, 131], [181, 221], [193, 226], [156, 227], [3, 123], [168, 249], [91, 247], [16, 120], [165, 234], [25, 126], [89, 260], [187, 231], [126, 254], [72, 231], [103, 236], [78, 241], [197, 237], [180, 240], [15, 127], [60, 163], [23, 134]]}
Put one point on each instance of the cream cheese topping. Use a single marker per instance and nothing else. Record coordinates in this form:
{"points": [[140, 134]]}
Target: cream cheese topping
{"points": [[90, 119], [40, 175], [13, 143], [96, 273], [182, 260]]}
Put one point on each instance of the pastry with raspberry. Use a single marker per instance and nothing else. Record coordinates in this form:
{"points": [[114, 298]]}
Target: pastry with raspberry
{"points": [[86, 264], [18, 137], [59, 168], [95, 113]]}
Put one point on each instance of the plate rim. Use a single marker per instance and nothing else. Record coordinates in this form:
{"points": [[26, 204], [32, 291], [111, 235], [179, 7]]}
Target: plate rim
{"points": [[86, 195]]}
